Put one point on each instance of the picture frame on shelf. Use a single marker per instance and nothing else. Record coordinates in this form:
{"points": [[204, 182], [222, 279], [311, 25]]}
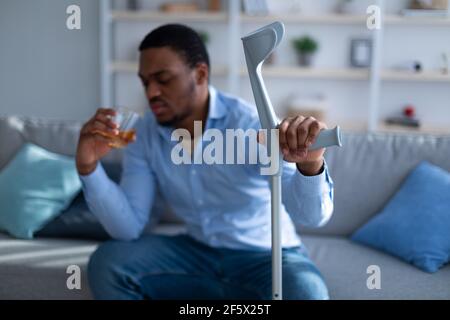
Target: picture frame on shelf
{"points": [[360, 52], [174, 7]]}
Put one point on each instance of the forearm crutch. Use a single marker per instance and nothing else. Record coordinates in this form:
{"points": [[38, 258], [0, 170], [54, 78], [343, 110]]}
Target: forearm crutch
{"points": [[258, 45]]}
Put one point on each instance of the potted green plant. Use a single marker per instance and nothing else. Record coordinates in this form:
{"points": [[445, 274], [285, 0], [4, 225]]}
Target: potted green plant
{"points": [[306, 47]]}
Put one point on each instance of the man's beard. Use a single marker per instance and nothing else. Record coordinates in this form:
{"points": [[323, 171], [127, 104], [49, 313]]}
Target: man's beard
{"points": [[176, 119], [188, 112]]}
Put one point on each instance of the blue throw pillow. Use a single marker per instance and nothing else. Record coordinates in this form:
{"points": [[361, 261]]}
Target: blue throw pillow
{"points": [[415, 224], [35, 186], [77, 221]]}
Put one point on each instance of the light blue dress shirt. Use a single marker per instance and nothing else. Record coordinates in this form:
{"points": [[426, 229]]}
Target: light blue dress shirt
{"points": [[223, 205]]}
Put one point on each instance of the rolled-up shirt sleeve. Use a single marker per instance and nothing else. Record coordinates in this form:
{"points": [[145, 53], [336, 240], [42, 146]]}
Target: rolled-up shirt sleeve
{"points": [[123, 209], [308, 199]]}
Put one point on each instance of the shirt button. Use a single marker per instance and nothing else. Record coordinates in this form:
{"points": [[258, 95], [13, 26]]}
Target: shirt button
{"points": [[194, 172]]}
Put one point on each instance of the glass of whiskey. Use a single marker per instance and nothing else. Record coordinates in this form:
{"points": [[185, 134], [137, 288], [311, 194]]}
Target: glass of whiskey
{"points": [[125, 119]]}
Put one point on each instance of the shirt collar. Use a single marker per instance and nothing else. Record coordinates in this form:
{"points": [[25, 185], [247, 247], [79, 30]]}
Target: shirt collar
{"points": [[217, 109]]}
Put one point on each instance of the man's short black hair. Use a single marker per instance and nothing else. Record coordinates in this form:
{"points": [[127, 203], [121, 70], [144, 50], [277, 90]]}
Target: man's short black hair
{"points": [[182, 39]]}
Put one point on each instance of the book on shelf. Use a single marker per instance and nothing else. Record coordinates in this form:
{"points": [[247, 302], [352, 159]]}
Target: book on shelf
{"points": [[179, 7], [403, 121]]}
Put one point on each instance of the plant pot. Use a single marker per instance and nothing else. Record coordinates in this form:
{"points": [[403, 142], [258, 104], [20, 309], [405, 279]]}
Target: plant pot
{"points": [[305, 59]]}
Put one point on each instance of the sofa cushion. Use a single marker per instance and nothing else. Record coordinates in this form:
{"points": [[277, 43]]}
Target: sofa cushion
{"points": [[344, 264], [35, 187], [369, 168], [415, 223]]}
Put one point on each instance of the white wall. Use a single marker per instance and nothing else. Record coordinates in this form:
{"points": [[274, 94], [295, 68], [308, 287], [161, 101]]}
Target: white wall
{"points": [[47, 70]]}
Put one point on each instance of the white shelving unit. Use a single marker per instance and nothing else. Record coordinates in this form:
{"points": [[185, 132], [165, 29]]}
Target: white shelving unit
{"points": [[234, 72]]}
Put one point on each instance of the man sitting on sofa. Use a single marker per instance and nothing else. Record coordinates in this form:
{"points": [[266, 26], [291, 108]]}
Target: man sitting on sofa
{"points": [[226, 253]]}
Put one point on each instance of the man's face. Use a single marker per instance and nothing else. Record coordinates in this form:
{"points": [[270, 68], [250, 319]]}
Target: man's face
{"points": [[169, 83]]}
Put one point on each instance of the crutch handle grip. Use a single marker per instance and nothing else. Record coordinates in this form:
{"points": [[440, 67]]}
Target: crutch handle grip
{"points": [[328, 138]]}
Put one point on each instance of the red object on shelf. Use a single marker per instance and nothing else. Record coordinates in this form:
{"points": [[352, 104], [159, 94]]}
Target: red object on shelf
{"points": [[409, 111]]}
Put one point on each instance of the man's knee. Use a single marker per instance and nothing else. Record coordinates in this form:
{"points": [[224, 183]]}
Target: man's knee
{"points": [[103, 253], [303, 284], [301, 278], [103, 263], [114, 255], [117, 265]]}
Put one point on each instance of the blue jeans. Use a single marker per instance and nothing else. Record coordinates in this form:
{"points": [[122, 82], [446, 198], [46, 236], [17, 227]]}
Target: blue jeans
{"points": [[179, 267]]}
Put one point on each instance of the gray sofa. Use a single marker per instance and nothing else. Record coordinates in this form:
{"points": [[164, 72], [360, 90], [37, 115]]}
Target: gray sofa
{"points": [[367, 171]]}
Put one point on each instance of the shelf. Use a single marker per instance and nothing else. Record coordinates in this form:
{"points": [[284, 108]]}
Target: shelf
{"points": [[159, 16], [350, 74], [285, 72], [332, 18], [329, 18], [345, 19], [132, 67], [402, 20], [424, 128], [426, 76], [313, 73]]}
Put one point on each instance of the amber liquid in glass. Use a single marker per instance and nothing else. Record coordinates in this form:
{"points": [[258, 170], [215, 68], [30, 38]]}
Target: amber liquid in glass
{"points": [[118, 141]]}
